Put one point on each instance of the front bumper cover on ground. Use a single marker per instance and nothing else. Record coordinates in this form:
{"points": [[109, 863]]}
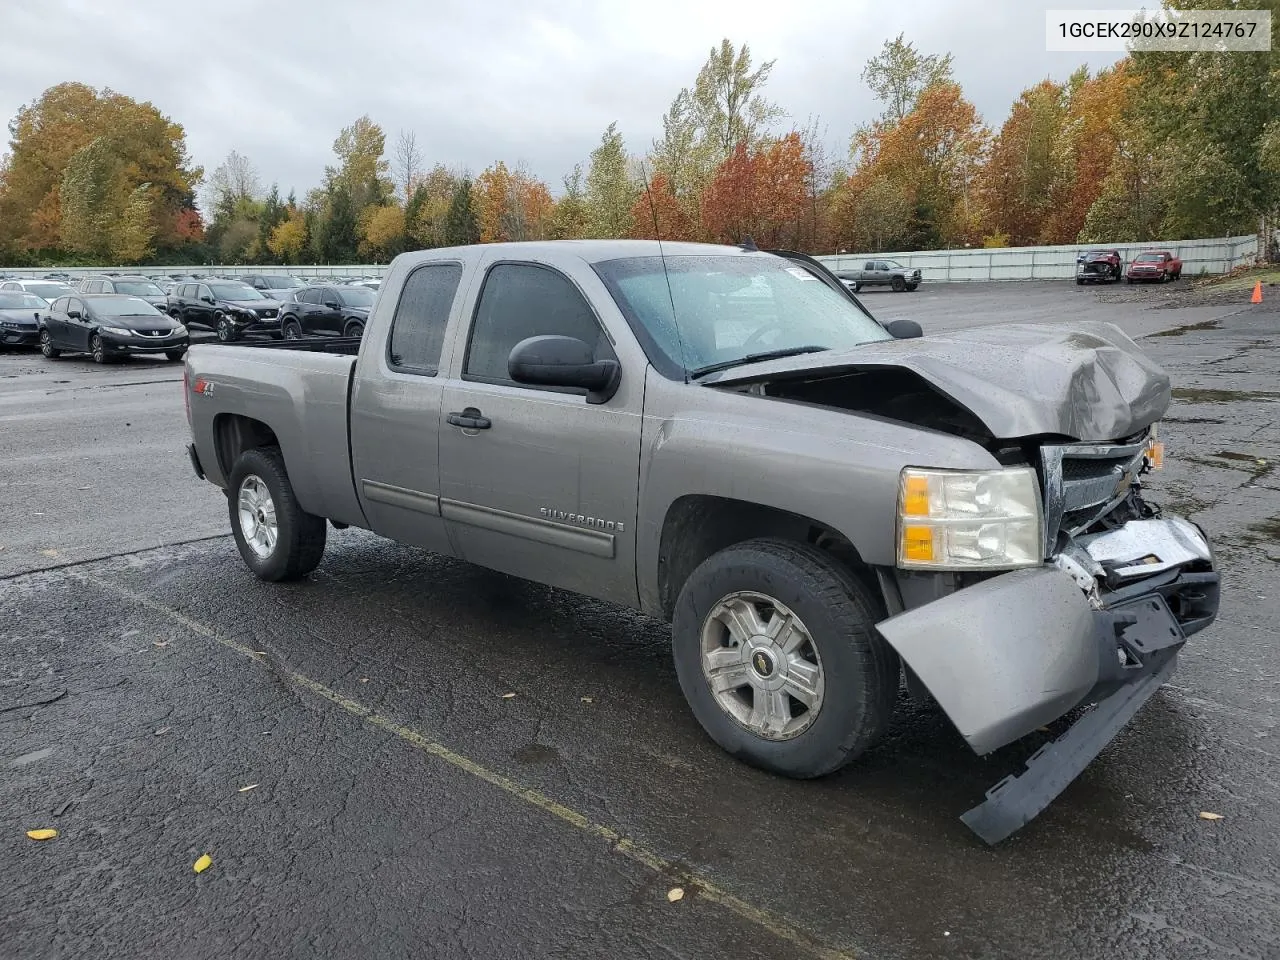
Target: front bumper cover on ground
{"points": [[1008, 655]]}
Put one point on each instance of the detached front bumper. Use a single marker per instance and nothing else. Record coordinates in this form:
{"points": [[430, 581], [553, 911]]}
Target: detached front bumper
{"points": [[1010, 654]]}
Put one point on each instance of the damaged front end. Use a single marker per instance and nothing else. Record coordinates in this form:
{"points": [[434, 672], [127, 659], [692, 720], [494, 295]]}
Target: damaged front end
{"points": [[1098, 624]]}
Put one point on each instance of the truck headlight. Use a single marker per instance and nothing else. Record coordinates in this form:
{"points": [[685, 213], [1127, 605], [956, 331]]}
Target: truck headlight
{"points": [[118, 331], [970, 519]]}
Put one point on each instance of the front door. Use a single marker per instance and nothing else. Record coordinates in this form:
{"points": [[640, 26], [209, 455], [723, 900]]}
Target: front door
{"points": [[395, 413], [77, 326], [535, 481]]}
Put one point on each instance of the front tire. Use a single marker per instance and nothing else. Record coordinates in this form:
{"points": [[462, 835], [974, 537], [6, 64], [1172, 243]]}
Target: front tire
{"points": [[898, 284], [175, 355], [292, 330], [97, 348], [353, 330], [777, 654], [912, 287], [277, 539], [226, 329], [46, 346]]}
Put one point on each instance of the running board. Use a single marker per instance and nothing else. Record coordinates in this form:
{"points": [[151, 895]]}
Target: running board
{"points": [[1016, 800]]}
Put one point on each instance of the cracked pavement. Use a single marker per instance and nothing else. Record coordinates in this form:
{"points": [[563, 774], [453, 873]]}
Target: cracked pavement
{"points": [[405, 807]]}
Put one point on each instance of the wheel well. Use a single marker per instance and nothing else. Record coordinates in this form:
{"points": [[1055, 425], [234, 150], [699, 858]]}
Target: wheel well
{"points": [[696, 526], [233, 434]]}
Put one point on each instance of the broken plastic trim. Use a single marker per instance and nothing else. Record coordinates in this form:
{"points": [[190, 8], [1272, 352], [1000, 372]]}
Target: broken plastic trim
{"points": [[1016, 800]]}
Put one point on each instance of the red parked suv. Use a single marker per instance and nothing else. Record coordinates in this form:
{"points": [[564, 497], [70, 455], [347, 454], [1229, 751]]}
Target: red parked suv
{"points": [[1160, 265]]}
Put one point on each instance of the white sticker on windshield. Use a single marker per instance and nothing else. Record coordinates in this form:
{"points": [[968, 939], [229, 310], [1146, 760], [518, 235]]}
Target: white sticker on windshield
{"points": [[800, 272]]}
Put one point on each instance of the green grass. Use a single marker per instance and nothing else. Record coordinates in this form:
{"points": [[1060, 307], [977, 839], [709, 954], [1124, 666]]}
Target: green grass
{"points": [[1244, 280]]}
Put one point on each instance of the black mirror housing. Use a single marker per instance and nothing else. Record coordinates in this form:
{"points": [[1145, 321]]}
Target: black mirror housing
{"points": [[554, 361], [332, 305], [73, 314], [904, 329]]}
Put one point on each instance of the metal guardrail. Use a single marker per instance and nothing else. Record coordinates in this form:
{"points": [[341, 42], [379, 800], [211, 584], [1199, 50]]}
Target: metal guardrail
{"points": [[1217, 255]]}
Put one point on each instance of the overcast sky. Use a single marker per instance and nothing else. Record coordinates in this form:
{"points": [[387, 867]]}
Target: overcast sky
{"points": [[525, 81]]}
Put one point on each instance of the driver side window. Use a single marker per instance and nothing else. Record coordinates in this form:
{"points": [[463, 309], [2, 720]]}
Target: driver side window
{"points": [[522, 300]]}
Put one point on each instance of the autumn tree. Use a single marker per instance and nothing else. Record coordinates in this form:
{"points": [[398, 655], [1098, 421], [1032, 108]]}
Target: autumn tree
{"points": [[44, 137], [1021, 182], [724, 107], [899, 75], [461, 226], [362, 171], [610, 191], [408, 165], [384, 231], [759, 193], [931, 158], [658, 215], [289, 239], [89, 208], [427, 211], [569, 217], [233, 185]]}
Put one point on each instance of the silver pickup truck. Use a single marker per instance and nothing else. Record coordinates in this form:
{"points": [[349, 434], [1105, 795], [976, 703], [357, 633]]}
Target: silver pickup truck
{"points": [[826, 508], [882, 273]]}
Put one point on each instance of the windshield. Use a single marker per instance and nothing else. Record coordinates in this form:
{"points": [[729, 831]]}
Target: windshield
{"points": [[730, 307], [138, 288], [50, 291], [280, 283], [16, 300], [893, 264], [235, 291], [1149, 258], [356, 296], [122, 307]]}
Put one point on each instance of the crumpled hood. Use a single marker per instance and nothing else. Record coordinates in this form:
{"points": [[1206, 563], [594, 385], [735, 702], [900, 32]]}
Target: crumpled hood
{"points": [[23, 315], [1085, 380]]}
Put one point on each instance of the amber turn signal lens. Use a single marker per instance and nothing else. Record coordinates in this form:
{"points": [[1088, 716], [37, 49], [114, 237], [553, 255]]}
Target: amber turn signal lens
{"points": [[917, 543], [915, 496]]}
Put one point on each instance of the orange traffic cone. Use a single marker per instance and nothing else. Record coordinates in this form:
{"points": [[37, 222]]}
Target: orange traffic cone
{"points": [[1257, 293]]}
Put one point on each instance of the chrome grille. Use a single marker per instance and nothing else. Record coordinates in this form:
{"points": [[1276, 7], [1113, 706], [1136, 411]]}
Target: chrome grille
{"points": [[1083, 482]]}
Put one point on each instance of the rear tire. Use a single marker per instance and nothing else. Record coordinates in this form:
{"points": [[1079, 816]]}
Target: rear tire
{"points": [[277, 539], [842, 658], [46, 346]]}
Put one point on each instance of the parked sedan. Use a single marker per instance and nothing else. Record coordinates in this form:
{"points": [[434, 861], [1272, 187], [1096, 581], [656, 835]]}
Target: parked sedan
{"points": [[340, 311], [1158, 265], [109, 325], [228, 307], [49, 289], [20, 318]]}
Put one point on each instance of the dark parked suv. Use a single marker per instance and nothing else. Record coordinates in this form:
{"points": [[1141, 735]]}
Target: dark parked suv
{"points": [[326, 312], [142, 287], [228, 307]]}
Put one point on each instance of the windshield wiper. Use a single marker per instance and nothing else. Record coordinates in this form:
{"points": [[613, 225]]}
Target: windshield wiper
{"points": [[755, 358]]}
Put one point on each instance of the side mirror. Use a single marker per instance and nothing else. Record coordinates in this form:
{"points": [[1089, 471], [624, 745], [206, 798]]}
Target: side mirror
{"points": [[904, 329], [332, 304], [73, 314], [564, 362], [208, 300]]}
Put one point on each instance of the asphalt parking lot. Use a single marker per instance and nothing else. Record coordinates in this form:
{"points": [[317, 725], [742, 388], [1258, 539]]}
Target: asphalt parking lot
{"points": [[405, 756]]}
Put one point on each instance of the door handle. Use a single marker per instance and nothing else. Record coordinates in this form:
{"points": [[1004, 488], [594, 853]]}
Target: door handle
{"points": [[470, 419]]}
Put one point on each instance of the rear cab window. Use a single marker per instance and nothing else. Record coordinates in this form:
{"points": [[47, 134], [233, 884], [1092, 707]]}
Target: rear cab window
{"points": [[422, 314]]}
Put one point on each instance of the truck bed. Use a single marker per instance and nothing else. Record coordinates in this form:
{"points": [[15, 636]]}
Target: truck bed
{"points": [[297, 389], [342, 346]]}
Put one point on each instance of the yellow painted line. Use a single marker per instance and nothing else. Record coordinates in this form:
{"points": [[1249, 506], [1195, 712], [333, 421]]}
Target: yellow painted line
{"points": [[779, 926]]}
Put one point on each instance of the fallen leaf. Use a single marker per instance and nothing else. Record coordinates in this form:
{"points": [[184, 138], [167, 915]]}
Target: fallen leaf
{"points": [[48, 553], [675, 893], [364, 679], [261, 653], [251, 786], [1205, 815], [507, 696], [587, 700], [45, 834], [203, 864], [160, 643], [162, 731]]}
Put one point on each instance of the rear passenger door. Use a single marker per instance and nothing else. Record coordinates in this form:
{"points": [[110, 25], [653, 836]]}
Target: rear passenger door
{"points": [[395, 410], [547, 489]]}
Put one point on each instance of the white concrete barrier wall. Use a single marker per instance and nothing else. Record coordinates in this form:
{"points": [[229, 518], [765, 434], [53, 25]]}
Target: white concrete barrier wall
{"points": [[1051, 263], [1007, 263]]}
